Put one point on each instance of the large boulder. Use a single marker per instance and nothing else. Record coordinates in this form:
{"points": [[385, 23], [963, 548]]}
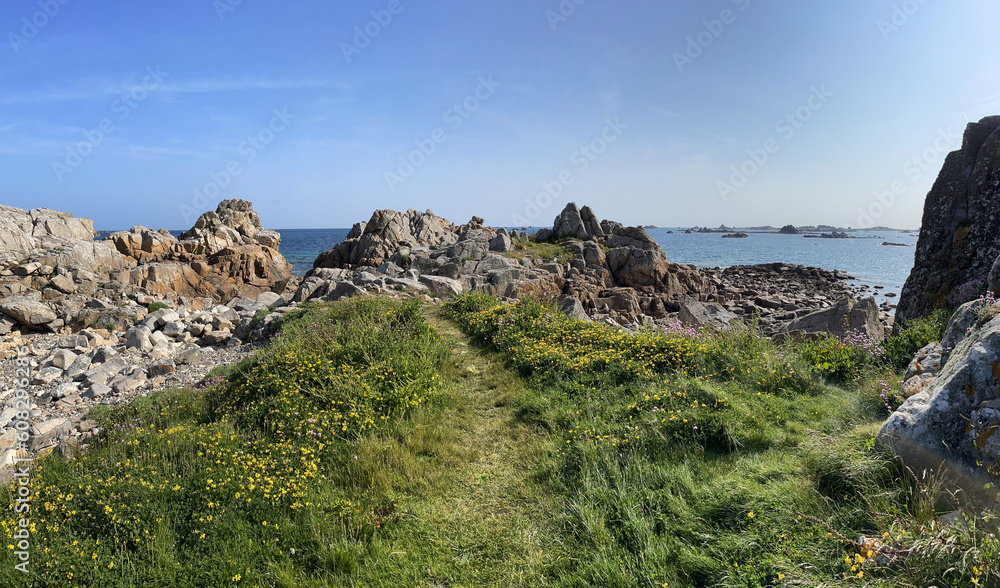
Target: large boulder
{"points": [[144, 245], [61, 224], [26, 311], [950, 426], [958, 242], [839, 319], [16, 229], [231, 224], [705, 314]]}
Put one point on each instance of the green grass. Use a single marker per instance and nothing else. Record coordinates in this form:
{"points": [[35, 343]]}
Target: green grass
{"points": [[543, 251], [722, 460], [382, 443]]}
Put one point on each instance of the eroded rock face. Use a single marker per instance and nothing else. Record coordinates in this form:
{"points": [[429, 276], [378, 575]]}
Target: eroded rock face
{"points": [[932, 429], [385, 234], [225, 254], [958, 236]]}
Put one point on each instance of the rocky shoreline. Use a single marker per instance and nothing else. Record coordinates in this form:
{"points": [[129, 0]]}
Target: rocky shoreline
{"points": [[142, 310]]}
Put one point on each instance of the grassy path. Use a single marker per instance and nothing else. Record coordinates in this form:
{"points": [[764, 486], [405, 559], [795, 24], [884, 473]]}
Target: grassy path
{"points": [[474, 515]]}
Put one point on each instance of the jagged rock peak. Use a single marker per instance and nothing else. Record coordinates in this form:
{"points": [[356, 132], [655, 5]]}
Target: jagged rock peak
{"points": [[960, 232]]}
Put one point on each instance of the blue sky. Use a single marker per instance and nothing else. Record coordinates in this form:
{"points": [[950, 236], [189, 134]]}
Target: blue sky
{"points": [[148, 113]]}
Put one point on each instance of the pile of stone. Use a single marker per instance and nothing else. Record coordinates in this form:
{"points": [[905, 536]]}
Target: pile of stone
{"points": [[52, 271], [167, 348]]}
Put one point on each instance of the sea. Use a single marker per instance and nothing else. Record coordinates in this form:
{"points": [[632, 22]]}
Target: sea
{"points": [[863, 257]]}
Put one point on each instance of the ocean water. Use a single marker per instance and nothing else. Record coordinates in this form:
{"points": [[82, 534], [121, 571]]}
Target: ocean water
{"points": [[865, 258]]}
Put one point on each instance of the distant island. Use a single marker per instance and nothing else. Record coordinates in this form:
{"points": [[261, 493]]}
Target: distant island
{"points": [[805, 230]]}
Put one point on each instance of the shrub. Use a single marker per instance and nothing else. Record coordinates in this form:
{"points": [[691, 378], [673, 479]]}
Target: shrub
{"points": [[918, 333], [157, 306]]}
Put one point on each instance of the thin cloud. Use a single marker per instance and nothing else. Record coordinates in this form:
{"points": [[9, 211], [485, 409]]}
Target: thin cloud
{"points": [[982, 100], [103, 89], [665, 112]]}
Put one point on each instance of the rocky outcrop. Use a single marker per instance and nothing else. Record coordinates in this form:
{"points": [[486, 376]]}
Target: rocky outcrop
{"points": [[51, 269], [950, 423], [575, 223], [387, 233], [958, 241], [227, 253], [618, 274]]}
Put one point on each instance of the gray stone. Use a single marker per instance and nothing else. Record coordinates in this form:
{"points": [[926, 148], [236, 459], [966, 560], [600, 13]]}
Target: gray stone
{"points": [[64, 284], [158, 339], [96, 391], [706, 314], [138, 338], [216, 337], [958, 234], [74, 341], [64, 390], [124, 384], [343, 290], [573, 308], [959, 326], [162, 368], [931, 430], [270, 299], [27, 311], [63, 358], [103, 353], [501, 244], [173, 329], [79, 366], [442, 287], [190, 356], [46, 433], [46, 376], [28, 269], [838, 320]]}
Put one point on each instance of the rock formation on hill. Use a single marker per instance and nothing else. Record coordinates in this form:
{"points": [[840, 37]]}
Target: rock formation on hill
{"points": [[226, 254], [52, 270], [960, 233], [615, 271], [607, 271]]}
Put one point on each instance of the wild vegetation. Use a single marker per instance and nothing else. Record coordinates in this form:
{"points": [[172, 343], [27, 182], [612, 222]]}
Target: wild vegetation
{"points": [[376, 443]]}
